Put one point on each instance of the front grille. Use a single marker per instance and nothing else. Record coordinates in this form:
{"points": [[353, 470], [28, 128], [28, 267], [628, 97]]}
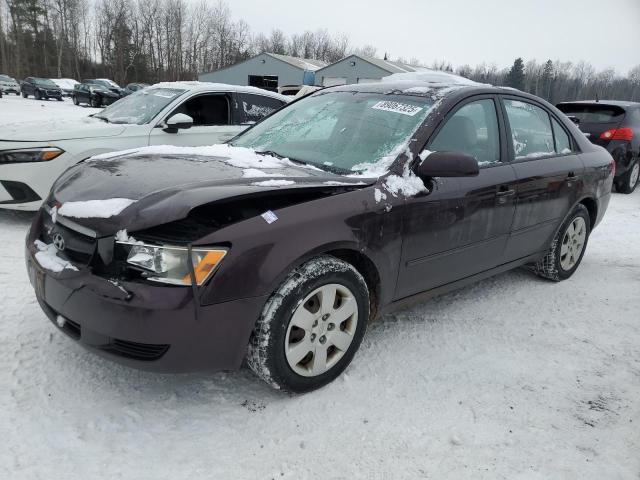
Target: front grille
{"points": [[78, 247], [136, 351]]}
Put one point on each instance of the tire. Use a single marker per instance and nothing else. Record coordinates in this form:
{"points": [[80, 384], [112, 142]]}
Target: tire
{"points": [[75, 100], [59, 99], [629, 181], [567, 247], [95, 103], [299, 301], [37, 95], [24, 95]]}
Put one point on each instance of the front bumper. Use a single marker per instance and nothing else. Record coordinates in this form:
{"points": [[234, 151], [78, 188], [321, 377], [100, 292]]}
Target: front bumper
{"points": [[9, 89], [148, 327]]}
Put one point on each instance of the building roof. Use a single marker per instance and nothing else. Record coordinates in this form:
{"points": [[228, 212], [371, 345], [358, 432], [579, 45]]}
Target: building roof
{"points": [[386, 65], [303, 63]]}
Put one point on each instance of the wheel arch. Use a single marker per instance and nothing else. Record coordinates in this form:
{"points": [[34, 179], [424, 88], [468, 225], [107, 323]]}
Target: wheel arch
{"points": [[591, 205], [351, 254]]}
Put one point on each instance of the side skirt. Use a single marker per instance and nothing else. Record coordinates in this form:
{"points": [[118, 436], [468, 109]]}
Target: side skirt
{"points": [[441, 290]]}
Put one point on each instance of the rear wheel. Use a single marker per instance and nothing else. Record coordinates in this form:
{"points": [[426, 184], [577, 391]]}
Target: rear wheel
{"points": [[567, 248], [629, 181], [311, 327]]}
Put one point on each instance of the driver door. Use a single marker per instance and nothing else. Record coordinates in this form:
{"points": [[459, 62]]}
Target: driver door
{"points": [[461, 227], [212, 122]]}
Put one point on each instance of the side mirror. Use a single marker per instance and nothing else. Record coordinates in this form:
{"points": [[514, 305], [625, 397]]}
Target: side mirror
{"points": [[177, 122], [448, 164]]}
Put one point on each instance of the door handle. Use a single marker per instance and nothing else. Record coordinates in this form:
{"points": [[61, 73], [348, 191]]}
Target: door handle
{"points": [[503, 193], [571, 176]]}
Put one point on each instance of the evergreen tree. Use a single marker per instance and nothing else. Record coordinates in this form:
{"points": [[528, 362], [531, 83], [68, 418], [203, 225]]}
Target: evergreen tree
{"points": [[547, 80], [515, 77]]}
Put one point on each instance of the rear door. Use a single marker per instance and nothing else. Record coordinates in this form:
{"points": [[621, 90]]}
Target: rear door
{"points": [[549, 174], [212, 122], [461, 228]]}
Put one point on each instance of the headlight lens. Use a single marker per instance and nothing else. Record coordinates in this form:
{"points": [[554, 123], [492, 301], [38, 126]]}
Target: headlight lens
{"points": [[26, 155], [167, 264]]}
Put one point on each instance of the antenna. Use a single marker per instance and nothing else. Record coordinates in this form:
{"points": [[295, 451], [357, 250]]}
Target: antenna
{"points": [[597, 97]]}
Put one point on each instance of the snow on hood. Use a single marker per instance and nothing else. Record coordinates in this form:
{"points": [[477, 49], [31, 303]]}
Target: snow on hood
{"points": [[166, 183], [59, 129]]}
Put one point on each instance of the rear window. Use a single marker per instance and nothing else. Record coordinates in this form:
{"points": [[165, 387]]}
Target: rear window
{"points": [[593, 113]]}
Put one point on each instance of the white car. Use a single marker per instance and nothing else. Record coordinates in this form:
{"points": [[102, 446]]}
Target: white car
{"points": [[9, 85], [34, 154], [66, 85]]}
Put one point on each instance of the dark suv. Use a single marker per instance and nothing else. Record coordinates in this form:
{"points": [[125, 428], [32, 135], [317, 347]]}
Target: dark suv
{"points": [[107, 84], [93, 94], [614, 125], [40, 88]]}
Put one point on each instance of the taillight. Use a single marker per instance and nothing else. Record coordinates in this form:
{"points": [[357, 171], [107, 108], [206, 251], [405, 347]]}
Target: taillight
{"points": [[617, 134]]}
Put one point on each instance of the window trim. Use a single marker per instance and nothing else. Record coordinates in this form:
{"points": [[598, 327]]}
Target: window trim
{"points": [[511, 152], [501, 127]]}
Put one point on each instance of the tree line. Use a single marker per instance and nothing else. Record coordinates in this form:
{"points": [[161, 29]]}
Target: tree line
{"points": [[168, 40]]}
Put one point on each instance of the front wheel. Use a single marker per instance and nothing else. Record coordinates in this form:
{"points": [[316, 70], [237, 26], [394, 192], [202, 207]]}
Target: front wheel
{"points": [[37, 95], [629, 181], [567, 248], [24, 95], [311, 327], [75, 100], [95, 102]]}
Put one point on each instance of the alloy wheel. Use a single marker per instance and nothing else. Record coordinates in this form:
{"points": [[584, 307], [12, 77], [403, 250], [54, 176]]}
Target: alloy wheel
{"points": [[573, 243], [321, 330]]}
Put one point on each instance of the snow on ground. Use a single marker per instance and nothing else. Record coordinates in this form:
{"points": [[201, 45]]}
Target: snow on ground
{"points": [[17, 109], [514, 378]]}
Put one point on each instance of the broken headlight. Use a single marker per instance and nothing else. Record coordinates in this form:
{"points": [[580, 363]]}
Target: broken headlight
{"points": [[166, 264]]}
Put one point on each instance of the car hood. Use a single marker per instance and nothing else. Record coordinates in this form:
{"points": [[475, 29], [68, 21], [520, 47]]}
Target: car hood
{"points": [[158, 189], [59, 129]]}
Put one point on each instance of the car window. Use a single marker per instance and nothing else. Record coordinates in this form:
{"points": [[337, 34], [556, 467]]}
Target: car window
{"points": [[563, 144], [473, 130], [593, 113], [255, 107], [206, 110], [530, 129]]}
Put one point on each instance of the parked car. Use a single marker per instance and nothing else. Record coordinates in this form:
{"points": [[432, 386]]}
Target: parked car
{"points": [[9, 85], [134, 87], [614, 125], [67, 85], [93, 95], [284, 244], [33, 155], [40, 88], [108, 84]]}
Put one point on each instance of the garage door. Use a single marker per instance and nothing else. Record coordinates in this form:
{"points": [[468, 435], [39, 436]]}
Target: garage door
{"points": [[331, 81], [368, 80]]}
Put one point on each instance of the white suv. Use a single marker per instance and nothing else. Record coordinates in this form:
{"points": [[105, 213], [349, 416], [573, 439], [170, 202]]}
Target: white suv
{"points": [[176, 113]]}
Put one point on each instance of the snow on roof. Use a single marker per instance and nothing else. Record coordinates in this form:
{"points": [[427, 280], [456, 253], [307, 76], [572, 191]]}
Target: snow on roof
{"points": [[430, 76], [387, 65], [209, 86], [304, 63]]}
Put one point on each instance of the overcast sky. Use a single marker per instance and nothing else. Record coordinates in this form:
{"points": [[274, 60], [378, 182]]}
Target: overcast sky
{"points": [[605, 33]]}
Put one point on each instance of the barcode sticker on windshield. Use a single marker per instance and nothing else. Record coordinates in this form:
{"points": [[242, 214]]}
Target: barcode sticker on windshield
{"points": [[397, 107]]}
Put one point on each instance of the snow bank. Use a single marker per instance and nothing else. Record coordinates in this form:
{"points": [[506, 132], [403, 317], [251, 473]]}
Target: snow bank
{"points": [[47, 257], [95, 208]]}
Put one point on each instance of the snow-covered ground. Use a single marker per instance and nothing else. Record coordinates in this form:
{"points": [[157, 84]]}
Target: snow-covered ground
{"points": [[514, 378], [17, 109]]}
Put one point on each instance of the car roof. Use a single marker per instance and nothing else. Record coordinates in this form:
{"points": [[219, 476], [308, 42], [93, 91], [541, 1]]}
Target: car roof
{"points": [[615, 103], [422, 88], [219, 87]]}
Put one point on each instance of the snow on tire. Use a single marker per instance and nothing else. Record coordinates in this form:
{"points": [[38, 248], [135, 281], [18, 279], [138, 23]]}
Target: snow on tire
{"points": [[567, 247], [311, 327]]}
